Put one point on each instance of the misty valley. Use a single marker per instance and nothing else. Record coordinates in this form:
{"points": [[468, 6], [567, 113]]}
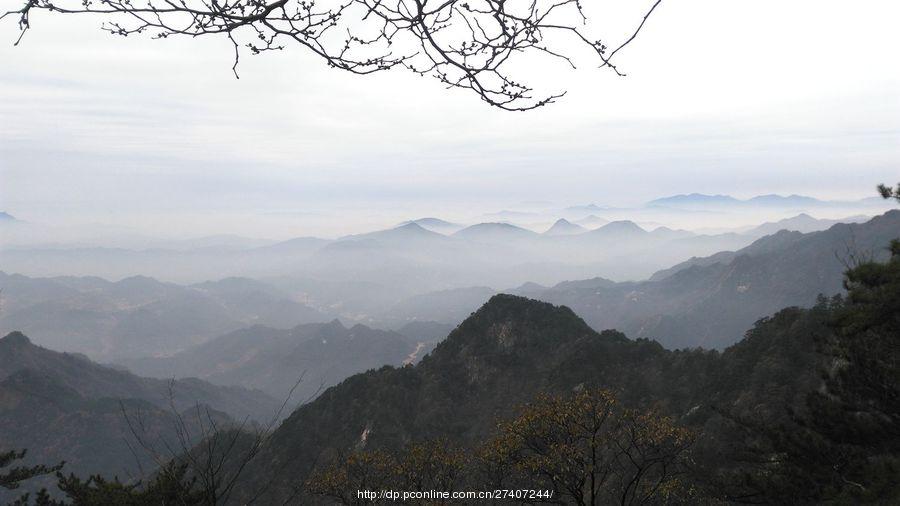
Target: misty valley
{"points": [[315, 367], [449, 252]]}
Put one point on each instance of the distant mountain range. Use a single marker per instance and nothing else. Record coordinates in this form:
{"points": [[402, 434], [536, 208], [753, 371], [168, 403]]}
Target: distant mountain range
{"points": [[712, 301], [408, 232], [436, 225], [737, 285], [370, 278], [703, 201], [403, 386], [273, 360], [592, 221], [445, 306], [802, 223], [6, 217], [139, 315], [693, 199], [495, 232]]}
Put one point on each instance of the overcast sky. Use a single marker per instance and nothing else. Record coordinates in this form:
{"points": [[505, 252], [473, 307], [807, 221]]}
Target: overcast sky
{"points": [[722, 96]]}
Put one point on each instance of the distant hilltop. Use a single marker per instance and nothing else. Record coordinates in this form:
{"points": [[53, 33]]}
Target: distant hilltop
{"points": [[770, 200]]}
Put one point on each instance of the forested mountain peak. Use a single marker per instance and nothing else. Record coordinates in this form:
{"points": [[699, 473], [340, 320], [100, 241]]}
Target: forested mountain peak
{"points": [[14, 339], [512, 324], [513, 348]]}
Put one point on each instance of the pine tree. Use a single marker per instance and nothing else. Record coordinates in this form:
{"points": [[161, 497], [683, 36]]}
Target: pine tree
{"points": [[844, 445], [12, 478]]}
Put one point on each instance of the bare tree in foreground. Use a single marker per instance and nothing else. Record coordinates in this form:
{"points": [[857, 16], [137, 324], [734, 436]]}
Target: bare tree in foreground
{"points": [[210, 452], [468, 44]]}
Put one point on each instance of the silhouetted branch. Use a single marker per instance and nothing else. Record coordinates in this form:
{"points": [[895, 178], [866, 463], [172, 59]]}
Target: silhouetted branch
{"points": [[214, 455], [465, 44]]}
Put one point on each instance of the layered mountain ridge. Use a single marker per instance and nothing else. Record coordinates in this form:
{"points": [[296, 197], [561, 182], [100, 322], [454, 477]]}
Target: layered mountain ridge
{"points": [[140, 315], [316, 355], [511, 349], [711, 301]]}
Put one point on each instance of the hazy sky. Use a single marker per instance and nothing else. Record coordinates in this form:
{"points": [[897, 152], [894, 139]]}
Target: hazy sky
{"points": [[722, 96]]}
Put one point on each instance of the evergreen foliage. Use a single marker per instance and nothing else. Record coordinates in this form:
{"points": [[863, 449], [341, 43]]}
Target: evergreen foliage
{"points": [[842, 444], [11, 478]]}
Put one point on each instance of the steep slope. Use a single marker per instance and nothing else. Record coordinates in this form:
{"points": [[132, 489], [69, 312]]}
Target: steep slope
{"points": [[90, 380], [502, 356], [63, 407], [273, 360], [711, 302]]}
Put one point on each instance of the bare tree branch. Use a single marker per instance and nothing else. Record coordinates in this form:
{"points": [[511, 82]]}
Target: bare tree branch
{"points": [[465, 44], [215, 454]]}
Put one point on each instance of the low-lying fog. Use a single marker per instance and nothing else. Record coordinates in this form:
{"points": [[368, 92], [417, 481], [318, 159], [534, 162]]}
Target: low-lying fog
{"points": [[118, 293], [527, 242]]}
